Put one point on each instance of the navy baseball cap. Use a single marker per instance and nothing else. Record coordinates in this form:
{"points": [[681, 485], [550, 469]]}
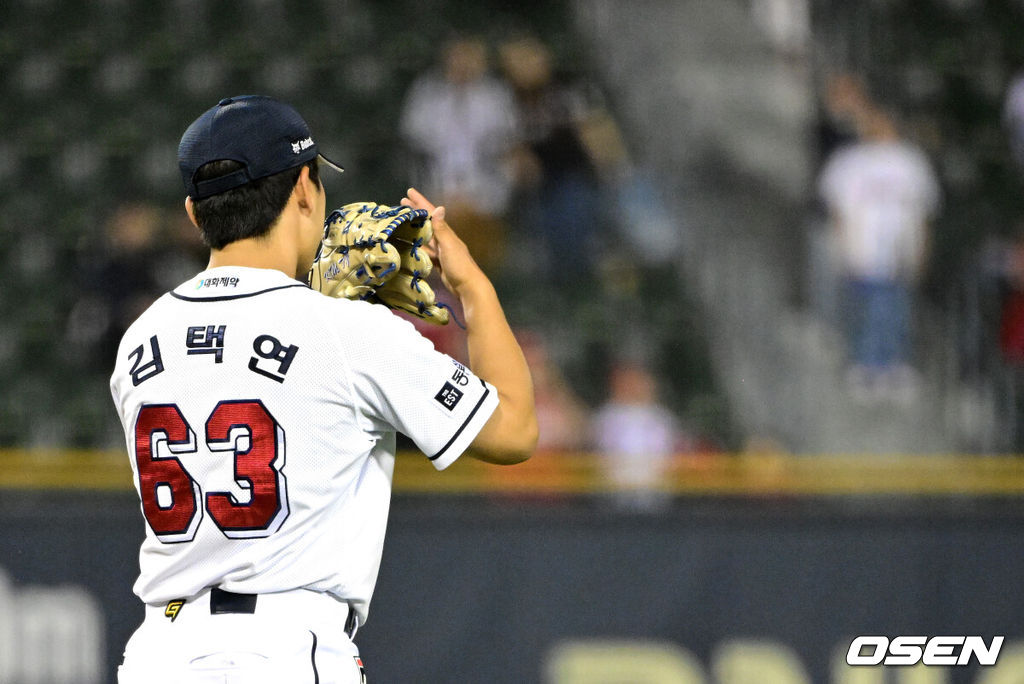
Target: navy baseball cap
{"points": [[265, 135]]}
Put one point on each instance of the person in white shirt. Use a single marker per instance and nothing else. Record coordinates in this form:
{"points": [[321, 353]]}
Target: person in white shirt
{"points": [[459, 125], [461, 121], [637, 438], [261, 417], [881, 194]]}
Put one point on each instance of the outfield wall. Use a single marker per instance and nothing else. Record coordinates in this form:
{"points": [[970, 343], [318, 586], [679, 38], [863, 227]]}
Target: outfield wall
{"points": [[738, 588]]}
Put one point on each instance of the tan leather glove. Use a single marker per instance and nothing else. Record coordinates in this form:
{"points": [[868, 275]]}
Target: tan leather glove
{"points": [[375, 252]]}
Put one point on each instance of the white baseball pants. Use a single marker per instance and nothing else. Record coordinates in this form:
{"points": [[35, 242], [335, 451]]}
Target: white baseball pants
{"points": [[294, 637]]}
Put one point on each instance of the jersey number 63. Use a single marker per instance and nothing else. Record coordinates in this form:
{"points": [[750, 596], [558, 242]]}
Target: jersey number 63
{"points": [[170, 495]]}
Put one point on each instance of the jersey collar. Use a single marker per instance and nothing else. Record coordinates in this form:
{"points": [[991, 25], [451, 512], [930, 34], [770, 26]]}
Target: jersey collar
{"points": [[232, 282]]}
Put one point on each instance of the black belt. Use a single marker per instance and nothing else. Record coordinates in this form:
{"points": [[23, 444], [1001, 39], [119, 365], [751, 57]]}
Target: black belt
{"points": [[225, 602], [228, 602]]}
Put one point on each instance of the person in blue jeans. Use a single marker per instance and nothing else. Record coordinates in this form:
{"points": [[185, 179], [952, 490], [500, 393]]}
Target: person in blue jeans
{"points": [[881, 194]]}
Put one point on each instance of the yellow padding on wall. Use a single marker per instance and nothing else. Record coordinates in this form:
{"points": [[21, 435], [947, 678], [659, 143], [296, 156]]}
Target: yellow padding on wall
{"points": [[553, 474]]}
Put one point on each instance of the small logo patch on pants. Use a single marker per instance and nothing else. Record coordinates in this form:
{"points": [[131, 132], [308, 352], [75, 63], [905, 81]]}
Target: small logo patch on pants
{"points": [[172, 609]]}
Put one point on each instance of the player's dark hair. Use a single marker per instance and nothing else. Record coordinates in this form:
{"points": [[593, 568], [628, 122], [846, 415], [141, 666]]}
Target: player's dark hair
{"points": [[249, 210]]}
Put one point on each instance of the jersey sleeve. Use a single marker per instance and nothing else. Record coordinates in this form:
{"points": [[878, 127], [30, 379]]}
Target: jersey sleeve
{"points": [[401, 380]]}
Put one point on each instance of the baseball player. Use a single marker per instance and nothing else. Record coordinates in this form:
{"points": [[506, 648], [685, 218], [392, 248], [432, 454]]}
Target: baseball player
{"points": [[260, 415]]}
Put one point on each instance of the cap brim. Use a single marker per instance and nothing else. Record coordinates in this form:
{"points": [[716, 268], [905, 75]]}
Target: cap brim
{"points": [[328, 162]]}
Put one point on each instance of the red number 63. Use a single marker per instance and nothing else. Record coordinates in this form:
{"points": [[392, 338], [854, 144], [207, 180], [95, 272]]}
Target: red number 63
{"points": [[170, 495]]}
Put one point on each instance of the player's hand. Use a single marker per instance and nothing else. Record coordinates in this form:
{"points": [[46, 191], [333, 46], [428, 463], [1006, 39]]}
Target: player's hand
{"points": [[458, 268]]}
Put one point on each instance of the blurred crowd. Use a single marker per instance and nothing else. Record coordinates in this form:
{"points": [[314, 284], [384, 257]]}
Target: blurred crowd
{"points": [[511, 133], [535, 175], [533, 165]]}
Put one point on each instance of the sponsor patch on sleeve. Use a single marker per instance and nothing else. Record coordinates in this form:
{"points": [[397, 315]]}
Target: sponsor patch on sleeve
{"points": [[449, 396]]}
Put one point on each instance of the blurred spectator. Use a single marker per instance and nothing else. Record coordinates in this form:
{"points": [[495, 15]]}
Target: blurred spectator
{"points": [[184, 253], [557, 174], [881, 193], [637, 438], [1013, 118], [1010, 275], [787, 23], [641, 213], [141, 257], [1002, 264], [562, 422], [459, 122], [118, 283], [653, 232], [561, 415], [844, 105]]}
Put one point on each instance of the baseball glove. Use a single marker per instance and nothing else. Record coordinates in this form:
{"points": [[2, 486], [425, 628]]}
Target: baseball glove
{"points": [[375, 253]]}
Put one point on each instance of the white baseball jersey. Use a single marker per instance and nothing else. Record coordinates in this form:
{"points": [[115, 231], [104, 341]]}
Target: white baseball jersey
{"points": [[260, 418]]}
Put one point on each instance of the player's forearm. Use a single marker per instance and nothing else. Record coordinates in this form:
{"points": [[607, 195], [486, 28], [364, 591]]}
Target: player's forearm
{"points": [[510, 434], [494, 355]]}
